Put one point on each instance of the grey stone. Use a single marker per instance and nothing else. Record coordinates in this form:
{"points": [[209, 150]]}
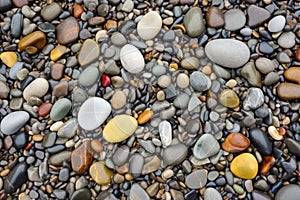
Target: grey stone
{"points": [[138, 193], [60, 109], [212, 193], [193, 22], [254, 99], [288, 192], [12, 122], [287, 40], [196, 179], [175, 154], [234, 19], [16, 25], [89, 76], [276, 24], [199, 81], [265, 65], [206, 146], [250, 73]]}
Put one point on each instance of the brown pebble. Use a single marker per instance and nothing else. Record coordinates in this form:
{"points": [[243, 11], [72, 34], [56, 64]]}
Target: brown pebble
{"points": [[4, 172], [235, 142], [214, 17], [293, 74], [78, 10], [37, 137], [36, 39], [44, 109], [94, 21], [20, 3], [97, 146], [288, 91], [145, 116], [67, 31], [61, 89], [57, 71], [267, 164], [81, 158], [297, 54], [111, 24]]}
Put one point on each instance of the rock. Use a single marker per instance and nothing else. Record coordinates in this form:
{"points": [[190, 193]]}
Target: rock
{"points": [[120, 156], [57, 52], [136, 163], [164, 81], [257, 15], [234, 19], [93, 112], [20, 3], [288, 192], [293, 146], [227, 52], [199, 81], [181, 101], [182, 80], [60, 194], [193, 22], [61, 89], [15, 69], [4, 90], [89, 76], [132, 59], [206, 146], [5, 5], [212, 193], [36, 39], [196, 179], [81, 158], [175, 154], [16, 178], [215, 17], [244, 166], [257, 195], [250, 73], [152, 165], [229, 99], [59, 158], [60, 109], [297, 54], [69, 129], [287, 40], [12, 122], [44, 109], [89, 52], [81, 194], [51, 11], [235, 142], [119, 128], [16, 25], [37, 88], [138, 193], [20, 140], [118, 100], [57, 71], [100, 173], [276, 24], [149, 26], [265, 65], [145, 116], [271, 78], [261, 141], [165, 133], [190, 63], [9, 58], [67, 31], [254, 99], [288, 91], [293, 74]]}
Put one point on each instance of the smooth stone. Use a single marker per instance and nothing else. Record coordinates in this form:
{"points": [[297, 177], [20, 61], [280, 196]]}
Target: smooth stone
{"points": [[265, 65], [175, 154], [81, 158], [287, 40], [4, 90], [57, 52], [132, 59], [12, 122], [145, 116], [190, 63], [138, 193], [51, 11], [165, 133], [288, 192], [119, 128], [206, 146], [149, 26], [16, 178], [61, 89], [288, 91], [44, 109], [182, 80], [60, 194], [9, 58], [212, 193], [235, 142], [93, 112], [257, 195], [271, 78], [89, 52], [215, 17], [199, 81], [36, 39], [261, 141], [234, 19], [250, 73], [59, 158], [60, 109], [276, 24], [15, 69], [254, 99], [196, 179], [265, 48], [37, 88], [67, 31], [136, 163], [118, 39], [181, 101], [20, 140], [257, 15], [100, 173], [292, 74], [152, 165], [118, 100], [227, 52], [293, 146], [81, 194], [69, 129], [16, 25], [193, 22], [229, 98], [57, 71], [120, 156], [89, 76], [244, 166]]}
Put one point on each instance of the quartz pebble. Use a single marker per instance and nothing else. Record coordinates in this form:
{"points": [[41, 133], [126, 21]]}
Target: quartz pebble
{"points": [[244, 166], [132, 59], [276, 24], [206, 146], [149, 26], [254, 99], [37, 88], [165, 132]]}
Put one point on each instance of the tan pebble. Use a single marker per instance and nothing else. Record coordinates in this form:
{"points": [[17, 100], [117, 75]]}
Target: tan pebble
{"points": [[274, 133], [231, 83], [286, 121], [128, 177], [164, 81], [145, 116], [168, 173], [4, 172], [9, 58], [206, 70], [182, 80], [118, 100], [70, 143], [56, 126], [160, 95], [37, 137], [49, 189], [174, 66], [97, 146]]}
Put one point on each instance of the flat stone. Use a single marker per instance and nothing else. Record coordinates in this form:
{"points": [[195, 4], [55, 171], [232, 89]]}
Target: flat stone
{"points": [[181, 101], [293, 74], [261, 141], [100, 173], [149, 26], [16, 178], [69, 129], [4, 90], [229, 98], [288, 192], [138, 193], [36, 39], [120, 156], [118, 100], [227, 52], [12, 122], [67, 31], [199, 81], [15, 69], [136, 163], [37, 88], [257, 15], [175, 154], [93, 112], [193, 22], [235, 142], [89, 76], [89, 52], [182, 80], [215, 17], [49, 140], [271, 78], [152, 165], [132, 59], [212, 193], [20, 140], [250, 73], [51, 11], [276, 24], [293, 146], [206, 146], [196, 179], [57, 71], [57, 52], [244, 166], [83, 193], [287, 40], [234, 19], [254, 99], [9, 58], [119, 128], [59, 158], [44, 109], [165, 133], [265, 65], [60, 109], [190, 63], [81, 158]]}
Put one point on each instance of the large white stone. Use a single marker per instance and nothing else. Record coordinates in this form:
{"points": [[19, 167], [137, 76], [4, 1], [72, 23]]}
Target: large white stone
{"points": [[149, 26], [93, 112], [132, 59], [165, 132], [12, 122]]}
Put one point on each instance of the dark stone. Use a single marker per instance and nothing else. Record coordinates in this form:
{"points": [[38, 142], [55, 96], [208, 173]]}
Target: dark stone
{"points": [[16, 177], [26, 82], [5, 5], [261, 141], [293, 146], [20, 140], [81, 194], [16, 25]]}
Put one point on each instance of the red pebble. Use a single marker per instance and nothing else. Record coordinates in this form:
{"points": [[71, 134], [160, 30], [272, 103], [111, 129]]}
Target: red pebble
{"points": [[44, 109], [78, 10], [105, 80]]}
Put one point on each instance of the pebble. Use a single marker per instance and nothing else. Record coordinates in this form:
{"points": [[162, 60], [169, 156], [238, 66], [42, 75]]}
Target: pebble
{"points": [[93, 112], [254, 99], [16, 25], [67, 31], [83, 193], [119, 128], [145, 116], [20, 140], [271, 78], [293, 146], [118, 100], [199, 81], [212, 193], [89, 76], [287, 40], [235, 142], [175, 154], [16, 177], [257, 15], [229, 99], [60, 109], [206, 146], [276, 24], [137, 193], [149, 26], [190, 63], [196, 179], [12, 122], [37, 88], [244, 166], [182, 80], [5, 5], [215, 17], [57, 52], [288, 91], [164, 81], [9, 58], [265, 65], [234, 19], [274, 133], [227, 52], [181, 101], [100, 173], [165, 133], [51, 11], [193, 22], [250, 73], [292, 74], [261, 141], [285, 192], [4, 90], [15, 69], [35, 39], [89, 52], [132, 59], [57, 71], [81, 158], [136, 163]]}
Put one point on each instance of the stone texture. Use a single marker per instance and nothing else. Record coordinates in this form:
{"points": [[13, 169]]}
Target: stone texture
{"points": [[67, 31]]}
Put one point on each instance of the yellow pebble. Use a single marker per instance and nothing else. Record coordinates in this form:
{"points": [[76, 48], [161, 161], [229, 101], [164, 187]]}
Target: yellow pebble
{"points": [[244, 166], [57, 52], [9, 58], [100, 173]]}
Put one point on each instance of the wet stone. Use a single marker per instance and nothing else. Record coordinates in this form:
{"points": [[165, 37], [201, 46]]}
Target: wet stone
{"points": [[16, 25], [197, 179], [20, 140], [215, 17], [36, 39], [229, 98], [234, 19], [288, 91], [254, 99], [60, 109], [100, 173], [261, 141], [44, 109], [51, 11], [235, 142], [244, 166]]}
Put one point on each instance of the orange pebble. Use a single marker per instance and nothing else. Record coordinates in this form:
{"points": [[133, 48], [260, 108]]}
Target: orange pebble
{"points": [[78, 10], [145, 116], [267, 164]]}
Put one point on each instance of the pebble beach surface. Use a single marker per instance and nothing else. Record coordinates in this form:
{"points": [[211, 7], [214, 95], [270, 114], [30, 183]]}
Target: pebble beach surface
{"points": [[130, 99]]}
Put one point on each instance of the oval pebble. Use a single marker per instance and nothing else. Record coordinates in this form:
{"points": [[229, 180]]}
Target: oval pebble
{"points": [[12, 122], [37, 88], [89, 76], [165, 132], [60, 109], [149, 26], [132, 59], [288, 192], [212, 193], [206, 146]]}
